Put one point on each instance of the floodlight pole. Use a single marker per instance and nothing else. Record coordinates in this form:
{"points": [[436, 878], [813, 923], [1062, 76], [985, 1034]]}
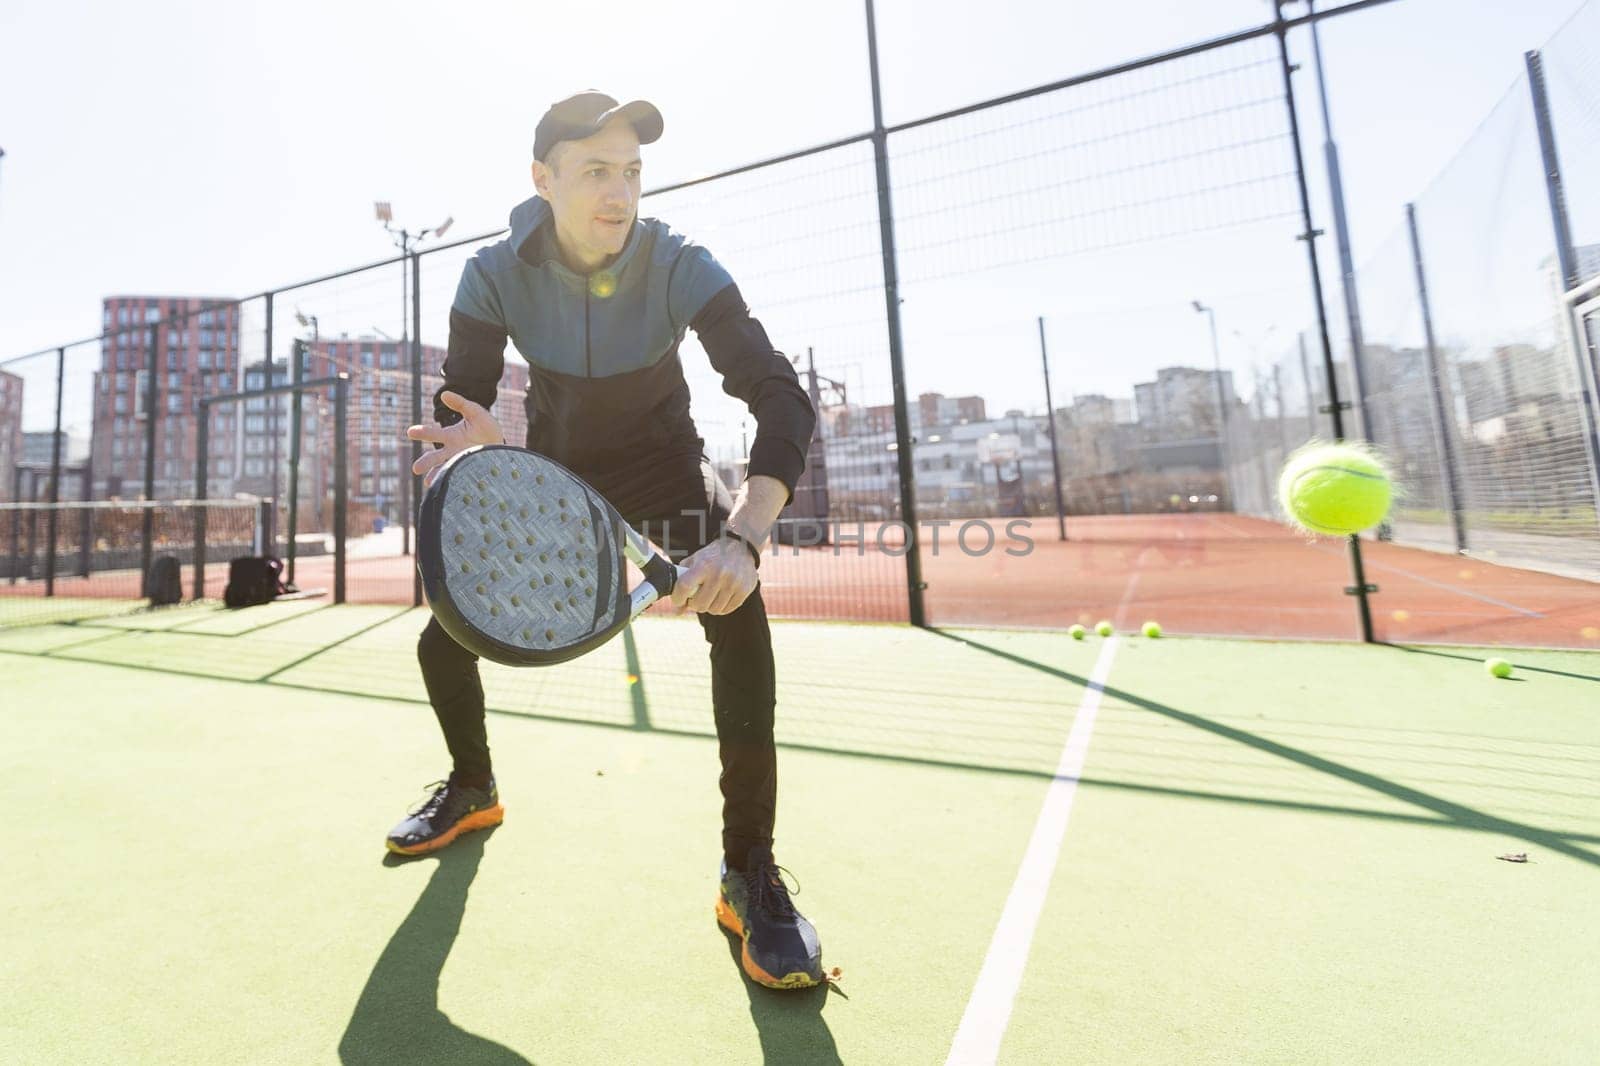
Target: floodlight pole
{"points": [[407, 243], [1222, 401]]}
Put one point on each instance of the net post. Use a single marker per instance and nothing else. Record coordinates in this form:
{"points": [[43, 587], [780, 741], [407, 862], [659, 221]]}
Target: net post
{"points": [[152, 394], [341, 477], [55, 479], [1440, 417], [202, 446], [416, 412], [296, 375]]}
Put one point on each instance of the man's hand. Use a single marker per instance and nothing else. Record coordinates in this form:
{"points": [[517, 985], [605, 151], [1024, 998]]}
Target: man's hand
{"points": [[720, 578], [477, 426], [722, 575]]}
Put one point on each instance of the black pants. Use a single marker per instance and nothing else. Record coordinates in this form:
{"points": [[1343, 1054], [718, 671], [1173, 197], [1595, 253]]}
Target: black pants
{"points": [[680, 506]]}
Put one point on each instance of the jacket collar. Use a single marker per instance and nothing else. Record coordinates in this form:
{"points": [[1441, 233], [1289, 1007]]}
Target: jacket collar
{"points": [[533, 238]]}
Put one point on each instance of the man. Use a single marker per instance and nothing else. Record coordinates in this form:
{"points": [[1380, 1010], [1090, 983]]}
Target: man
{"points": [[597, 301]]}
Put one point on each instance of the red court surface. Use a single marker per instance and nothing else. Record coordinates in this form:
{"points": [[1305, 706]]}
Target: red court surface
{"points": [[1199, 574]]}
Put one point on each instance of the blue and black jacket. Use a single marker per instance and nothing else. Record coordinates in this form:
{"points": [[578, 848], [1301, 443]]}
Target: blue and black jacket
{"points": [[606, 391]]}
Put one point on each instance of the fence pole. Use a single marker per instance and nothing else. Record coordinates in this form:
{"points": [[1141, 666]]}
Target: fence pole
{"points": [[1311, 399], [891, 294], [1341, 229], [1050, 420], [152, 415], [1567, 258], [1360, 589], [1258, 441], [402, 350], [202, 445], [1277, 394], [416, 412], [1441, 415], [297, 352], [16, 527], [341, 480], [55, 479], [87, 490], [268, 379]]}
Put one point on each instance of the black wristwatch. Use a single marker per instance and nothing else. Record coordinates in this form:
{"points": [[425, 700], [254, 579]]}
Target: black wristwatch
{"points": [[755, 552]]}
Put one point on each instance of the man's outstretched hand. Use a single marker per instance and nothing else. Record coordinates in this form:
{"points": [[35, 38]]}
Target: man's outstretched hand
{"points": [[477, 426]]}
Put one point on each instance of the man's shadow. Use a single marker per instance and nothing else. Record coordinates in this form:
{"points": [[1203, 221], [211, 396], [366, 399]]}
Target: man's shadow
{"points": [[789, 1022], [397, 1017]]}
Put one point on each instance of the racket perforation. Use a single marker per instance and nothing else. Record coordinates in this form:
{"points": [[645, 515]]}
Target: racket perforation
{"points": [[531, 515]]}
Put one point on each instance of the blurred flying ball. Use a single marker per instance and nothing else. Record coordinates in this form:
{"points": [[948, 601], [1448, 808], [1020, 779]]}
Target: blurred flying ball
{"points": [[602, 284], [1076, 632], [1335, 489], [1497, 667], [1104, 629], [1152, 629]]}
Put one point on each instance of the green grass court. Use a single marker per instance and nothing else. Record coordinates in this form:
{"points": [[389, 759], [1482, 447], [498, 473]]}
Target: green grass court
{"points": [[1274, 852]]}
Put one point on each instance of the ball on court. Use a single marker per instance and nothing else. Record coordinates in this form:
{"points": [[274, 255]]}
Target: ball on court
{"points": [[1104, 629], [1497, 667], [1335, 489], [1076, 632], [1152, 629]]}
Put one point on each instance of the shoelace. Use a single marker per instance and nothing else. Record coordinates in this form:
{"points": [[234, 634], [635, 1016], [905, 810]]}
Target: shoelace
{"points": [[435, 797], [768, 891]]}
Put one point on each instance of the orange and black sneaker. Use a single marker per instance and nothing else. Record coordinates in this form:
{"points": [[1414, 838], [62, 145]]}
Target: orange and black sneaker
{"points": [[781, 949], [451, 809]]}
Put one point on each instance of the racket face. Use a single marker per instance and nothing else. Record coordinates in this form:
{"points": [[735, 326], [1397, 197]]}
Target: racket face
{"points": [[521, 560]]}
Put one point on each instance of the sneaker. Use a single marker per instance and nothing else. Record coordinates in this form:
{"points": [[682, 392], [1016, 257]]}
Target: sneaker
{"points": [[781, 949], [451, 809]]}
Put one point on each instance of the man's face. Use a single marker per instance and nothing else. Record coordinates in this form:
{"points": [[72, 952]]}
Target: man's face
{"points": [[592, 187]]}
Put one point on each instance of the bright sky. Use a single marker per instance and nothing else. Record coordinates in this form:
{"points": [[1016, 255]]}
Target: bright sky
{"points": [[221, 149]]}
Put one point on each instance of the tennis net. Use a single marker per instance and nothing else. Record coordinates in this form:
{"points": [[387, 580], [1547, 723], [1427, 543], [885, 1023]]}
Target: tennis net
{"points": [[64, 561]]}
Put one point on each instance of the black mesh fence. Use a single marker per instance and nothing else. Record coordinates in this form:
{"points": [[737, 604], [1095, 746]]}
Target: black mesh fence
{"points": [[1137, 231]]}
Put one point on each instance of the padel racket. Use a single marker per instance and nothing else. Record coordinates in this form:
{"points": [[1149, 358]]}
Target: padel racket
{"points": [[523, 563]]}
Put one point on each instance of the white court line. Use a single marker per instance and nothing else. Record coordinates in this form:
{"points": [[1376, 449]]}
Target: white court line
{"points": [[988, 1012], [1121, 613]]}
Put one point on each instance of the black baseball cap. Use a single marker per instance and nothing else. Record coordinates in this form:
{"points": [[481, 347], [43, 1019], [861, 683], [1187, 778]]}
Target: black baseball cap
{"points": [[582, 114]]}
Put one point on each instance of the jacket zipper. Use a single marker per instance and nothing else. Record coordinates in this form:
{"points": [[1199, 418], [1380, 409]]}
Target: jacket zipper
{"points": [[588, 361]]}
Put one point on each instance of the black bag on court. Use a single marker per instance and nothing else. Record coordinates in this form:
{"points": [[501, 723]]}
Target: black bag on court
{"points": [[163, 584], [252, 580]]}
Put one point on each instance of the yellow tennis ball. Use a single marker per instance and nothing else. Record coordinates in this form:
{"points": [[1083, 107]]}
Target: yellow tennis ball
{"points": [[1152, 629], [1335, 489], [1497, 667], [1104, 629], [1076, 632]]}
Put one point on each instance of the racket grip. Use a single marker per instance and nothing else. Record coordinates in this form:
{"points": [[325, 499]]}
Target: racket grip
{"points": [[660, 578]]}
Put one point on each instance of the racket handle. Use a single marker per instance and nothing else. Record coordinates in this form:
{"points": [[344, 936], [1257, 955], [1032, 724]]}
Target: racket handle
{"points": [[660, 578]]}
